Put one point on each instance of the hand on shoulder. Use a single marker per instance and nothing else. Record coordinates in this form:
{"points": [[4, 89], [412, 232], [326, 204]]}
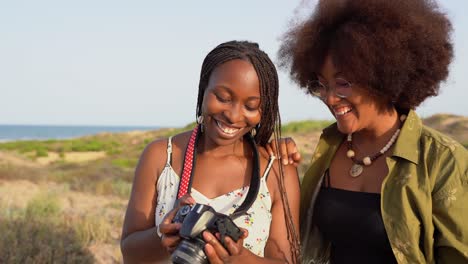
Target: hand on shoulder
{"points": [[286, 149]]}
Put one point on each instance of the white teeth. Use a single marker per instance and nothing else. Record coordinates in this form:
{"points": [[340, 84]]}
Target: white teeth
{"points": [[344, 111], [227, 130]]}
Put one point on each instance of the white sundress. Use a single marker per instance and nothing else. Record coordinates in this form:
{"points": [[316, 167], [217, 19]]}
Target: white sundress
{"points": [[256, 220]]}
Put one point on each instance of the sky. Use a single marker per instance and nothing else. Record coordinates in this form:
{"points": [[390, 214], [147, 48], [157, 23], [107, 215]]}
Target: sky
{"points": [[137, 63]]}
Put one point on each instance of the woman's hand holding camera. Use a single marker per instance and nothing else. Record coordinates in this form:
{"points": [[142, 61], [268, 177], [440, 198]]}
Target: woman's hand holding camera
{"points": [[170, 231], [233, 253]]}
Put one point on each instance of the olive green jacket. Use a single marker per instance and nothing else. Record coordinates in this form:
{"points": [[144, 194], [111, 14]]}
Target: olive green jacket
{"points": [[424, 198]]}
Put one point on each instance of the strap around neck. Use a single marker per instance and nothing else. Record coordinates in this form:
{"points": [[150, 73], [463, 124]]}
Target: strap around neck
{"points": [[185, 184]]}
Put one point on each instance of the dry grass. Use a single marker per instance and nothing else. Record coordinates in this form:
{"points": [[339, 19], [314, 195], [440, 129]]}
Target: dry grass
{"points": [[74, 157], [16, 160], [51, 223], [63, 201]]}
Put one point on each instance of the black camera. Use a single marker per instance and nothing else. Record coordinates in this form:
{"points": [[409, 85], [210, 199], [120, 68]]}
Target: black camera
{"points": [[196, 219]]}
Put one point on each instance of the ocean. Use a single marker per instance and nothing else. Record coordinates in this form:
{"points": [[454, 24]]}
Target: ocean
{"points": [[43, 132]]}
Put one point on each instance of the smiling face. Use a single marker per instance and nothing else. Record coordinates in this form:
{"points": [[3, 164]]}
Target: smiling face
{"points": [[231, 102], [358, 111]]}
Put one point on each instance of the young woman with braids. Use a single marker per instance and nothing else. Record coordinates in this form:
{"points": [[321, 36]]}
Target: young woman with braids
{"points": [[381, 187], [237, 100]]}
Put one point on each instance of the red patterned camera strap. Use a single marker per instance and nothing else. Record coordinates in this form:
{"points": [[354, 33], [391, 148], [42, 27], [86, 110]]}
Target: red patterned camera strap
{"points": [[188, 165]]}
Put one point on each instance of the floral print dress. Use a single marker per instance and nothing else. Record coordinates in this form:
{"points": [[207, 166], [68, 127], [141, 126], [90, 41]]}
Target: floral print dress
{"points": [[256, 220]]}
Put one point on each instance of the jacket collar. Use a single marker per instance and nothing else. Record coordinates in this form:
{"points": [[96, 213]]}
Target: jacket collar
{"points": [[407, 144]]}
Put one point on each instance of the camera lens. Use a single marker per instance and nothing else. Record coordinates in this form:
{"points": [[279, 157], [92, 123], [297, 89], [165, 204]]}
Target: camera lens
{"points": [[190, 252]]}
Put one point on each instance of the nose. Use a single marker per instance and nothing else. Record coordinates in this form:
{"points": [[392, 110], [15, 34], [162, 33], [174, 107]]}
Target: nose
{"points": [[234, 113], [330, 97]]}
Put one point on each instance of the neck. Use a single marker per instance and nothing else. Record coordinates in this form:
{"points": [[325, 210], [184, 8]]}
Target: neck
{"points": [[380, 130], [209, 148]]}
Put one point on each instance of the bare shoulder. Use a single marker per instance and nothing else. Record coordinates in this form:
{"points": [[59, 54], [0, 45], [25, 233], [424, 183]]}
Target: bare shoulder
{"points": [[265, 159], [263, 154], [286, 173], [154, 156], [290, 175], [143, 198], [180, 141], [287, 169]]}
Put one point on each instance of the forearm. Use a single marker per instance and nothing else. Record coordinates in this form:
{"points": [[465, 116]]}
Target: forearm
{"points": [[143, 246]]}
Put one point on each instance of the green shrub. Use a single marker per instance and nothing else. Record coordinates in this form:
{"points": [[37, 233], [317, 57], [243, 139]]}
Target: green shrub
{"points": [[113, 151], [40, 147], [43, 206], [125, 163], [39, 233], [42, 152], [40, 241], [91, 229], [305, 126], [84, 145]]}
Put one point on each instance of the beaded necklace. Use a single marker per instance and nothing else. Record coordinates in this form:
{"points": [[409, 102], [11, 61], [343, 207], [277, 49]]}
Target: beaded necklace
{"points": [[358, 166]]}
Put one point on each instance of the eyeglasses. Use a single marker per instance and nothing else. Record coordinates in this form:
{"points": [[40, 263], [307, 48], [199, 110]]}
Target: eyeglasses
{"points": [[342, 88]]}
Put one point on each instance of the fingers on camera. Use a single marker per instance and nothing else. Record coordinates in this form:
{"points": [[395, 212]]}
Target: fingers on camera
{"points": [[169, 228], [245, 233], [211, 240], [187, 199], [170, 242], [232, 246]]}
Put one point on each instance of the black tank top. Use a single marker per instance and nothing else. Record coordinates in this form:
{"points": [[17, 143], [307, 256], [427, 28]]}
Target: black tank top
{"points": [[352, 222]]}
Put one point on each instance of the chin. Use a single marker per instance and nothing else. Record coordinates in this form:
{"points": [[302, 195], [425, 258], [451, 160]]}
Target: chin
{"points": [[344, 129], [221, 141]]}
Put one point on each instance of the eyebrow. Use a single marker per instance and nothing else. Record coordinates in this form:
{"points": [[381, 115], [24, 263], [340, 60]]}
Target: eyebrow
{"points": [[253, 98], [250, 98]]}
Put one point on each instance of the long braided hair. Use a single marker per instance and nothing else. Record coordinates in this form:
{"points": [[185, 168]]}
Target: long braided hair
{"points": [[270, 124], [267, 75]]}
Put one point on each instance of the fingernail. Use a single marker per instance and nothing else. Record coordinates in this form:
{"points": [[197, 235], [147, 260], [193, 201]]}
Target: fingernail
{"points": [[285, 162]]}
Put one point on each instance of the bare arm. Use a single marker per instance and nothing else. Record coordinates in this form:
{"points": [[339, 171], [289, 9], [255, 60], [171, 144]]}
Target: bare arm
{"points": [[140, 242], [278, 246]]}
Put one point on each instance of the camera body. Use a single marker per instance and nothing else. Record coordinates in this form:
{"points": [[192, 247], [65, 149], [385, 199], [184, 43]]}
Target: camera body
{"points": [[196, 219]]}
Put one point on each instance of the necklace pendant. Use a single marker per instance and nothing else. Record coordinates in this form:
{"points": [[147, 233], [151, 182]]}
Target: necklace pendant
{"points": [[356, 170]]}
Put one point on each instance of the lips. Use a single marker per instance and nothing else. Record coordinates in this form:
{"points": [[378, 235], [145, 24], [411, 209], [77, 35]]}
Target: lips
{"points": [[339, 111], [226, 129]]}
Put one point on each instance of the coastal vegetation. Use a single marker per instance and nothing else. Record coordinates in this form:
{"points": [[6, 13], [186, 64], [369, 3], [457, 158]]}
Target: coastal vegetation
{"points": [[63, 201]]}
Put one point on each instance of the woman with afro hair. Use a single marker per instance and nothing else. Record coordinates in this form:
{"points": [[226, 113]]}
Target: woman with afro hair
{"points": [[382, 187]]}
